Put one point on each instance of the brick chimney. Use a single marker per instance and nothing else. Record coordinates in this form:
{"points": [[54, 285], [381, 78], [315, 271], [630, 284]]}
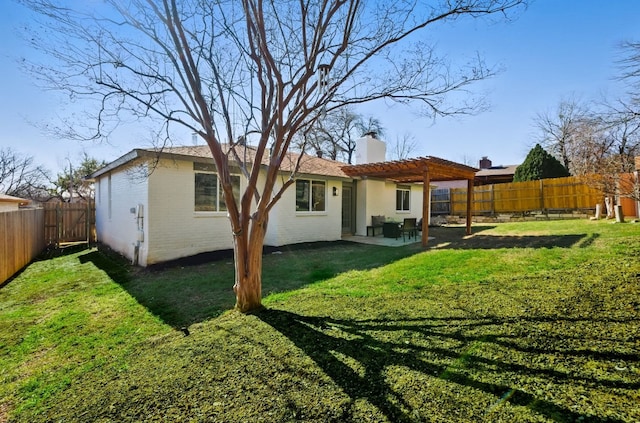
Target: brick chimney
{"points": [[485, 163]]}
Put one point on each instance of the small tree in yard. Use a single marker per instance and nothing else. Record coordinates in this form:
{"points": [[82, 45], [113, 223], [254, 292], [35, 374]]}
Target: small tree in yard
{"points": [[71, 182], [262, 71], [539, 165]]}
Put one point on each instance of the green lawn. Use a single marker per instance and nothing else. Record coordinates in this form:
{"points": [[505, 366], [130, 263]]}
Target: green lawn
{"points": [[521, 322]]}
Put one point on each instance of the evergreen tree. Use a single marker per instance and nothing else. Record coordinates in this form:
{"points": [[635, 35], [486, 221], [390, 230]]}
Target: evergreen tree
{"points": [[539, 165]]}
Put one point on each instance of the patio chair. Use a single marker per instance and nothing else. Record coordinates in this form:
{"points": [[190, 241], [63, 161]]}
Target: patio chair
{"points": [[376, 222], [409, 227]]}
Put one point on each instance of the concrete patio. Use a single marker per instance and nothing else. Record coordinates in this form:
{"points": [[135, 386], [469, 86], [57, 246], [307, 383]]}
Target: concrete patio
{"points": [[382, 241]]}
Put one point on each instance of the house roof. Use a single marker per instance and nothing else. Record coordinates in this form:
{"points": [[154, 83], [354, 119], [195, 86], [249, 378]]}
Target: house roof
{"points": [[309, 165], [496, 175], [4, 198], [413, 170], [406, 171], [497, 171]]}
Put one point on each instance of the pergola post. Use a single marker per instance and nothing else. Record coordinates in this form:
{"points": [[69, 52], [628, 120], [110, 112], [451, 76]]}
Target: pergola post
{"points": [[469, 200], [426, 199]]}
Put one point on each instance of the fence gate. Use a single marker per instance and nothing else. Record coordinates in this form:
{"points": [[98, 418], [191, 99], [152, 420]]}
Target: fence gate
{"points": [[69, 222]]}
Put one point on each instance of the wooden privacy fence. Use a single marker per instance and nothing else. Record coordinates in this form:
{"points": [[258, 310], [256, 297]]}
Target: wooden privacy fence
{"points": [[21, 239], [69, 222], [546, 195]]}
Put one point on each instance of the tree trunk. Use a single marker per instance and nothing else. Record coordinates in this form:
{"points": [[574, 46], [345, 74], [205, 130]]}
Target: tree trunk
{"points": [[608, 202], [248, 266]]}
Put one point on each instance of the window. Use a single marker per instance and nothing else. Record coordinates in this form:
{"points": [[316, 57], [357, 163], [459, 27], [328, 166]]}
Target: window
{"points": [[310, 195], [402, 198], [209, 196]]}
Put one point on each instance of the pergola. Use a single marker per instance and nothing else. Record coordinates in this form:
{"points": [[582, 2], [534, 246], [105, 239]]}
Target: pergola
{"points": [[422, 169]]}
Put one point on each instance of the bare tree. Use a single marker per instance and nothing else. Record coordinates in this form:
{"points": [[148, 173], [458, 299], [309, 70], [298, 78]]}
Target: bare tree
{"points": [[610, 150], [264, 70], [559, 130], [601, 146], [610, 142], [598, 142], [335, 134], [404, 146], [20, 177], [628, 116], [630, 70]]}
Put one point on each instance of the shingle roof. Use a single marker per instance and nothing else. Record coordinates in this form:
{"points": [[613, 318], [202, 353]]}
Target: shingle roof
{"points": [[497, 170], [310, 165]]}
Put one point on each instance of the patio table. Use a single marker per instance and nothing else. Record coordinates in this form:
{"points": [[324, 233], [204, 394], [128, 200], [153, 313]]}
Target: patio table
{"points": [[391, 229]]}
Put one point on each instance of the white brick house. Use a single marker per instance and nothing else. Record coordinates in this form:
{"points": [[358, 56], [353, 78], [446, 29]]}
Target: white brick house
{"points": [[153, 207], [157, 206]]}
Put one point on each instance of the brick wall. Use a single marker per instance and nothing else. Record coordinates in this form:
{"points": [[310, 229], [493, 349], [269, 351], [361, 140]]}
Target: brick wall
{"points": [[175, 229], [116, 193], [286, 226], [379, 198]]}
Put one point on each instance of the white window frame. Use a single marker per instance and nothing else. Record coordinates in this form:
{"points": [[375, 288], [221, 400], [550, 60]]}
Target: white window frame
{"points": [[206, 169], [405, 192], [309, 199]]}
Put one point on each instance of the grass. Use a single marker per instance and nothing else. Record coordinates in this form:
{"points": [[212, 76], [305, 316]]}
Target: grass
{"points": [[535, 321]]}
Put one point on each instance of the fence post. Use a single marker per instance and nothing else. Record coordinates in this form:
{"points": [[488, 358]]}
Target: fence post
{"points": [[88, 222], [542, 208], [492, 199], [58, 224]]}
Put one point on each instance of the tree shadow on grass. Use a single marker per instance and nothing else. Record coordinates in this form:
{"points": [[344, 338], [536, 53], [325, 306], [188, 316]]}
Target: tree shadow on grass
{"points": [[328, 341], [194, 289], [455, 238], [191, 290]]}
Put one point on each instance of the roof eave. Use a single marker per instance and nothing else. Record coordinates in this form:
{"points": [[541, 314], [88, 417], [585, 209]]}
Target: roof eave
{"points": [[120, 161]]}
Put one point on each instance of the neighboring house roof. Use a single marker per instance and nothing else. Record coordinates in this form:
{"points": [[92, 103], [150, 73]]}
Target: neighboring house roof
{"points": [[496, 174], [4, 198], [310, 165]]}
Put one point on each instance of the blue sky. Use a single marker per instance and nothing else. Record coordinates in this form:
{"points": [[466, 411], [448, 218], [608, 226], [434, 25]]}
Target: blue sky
{"points": [[555, 49]]}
